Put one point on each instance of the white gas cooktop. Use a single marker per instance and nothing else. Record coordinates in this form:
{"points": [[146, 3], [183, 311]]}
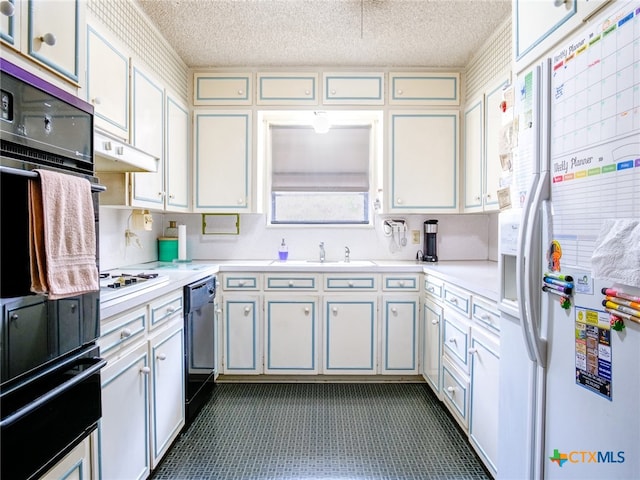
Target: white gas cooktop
{"points": [[117, 284]]}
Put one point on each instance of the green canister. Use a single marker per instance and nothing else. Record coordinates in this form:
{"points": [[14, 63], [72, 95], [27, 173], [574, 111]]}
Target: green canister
{"points": [[167, 249]]}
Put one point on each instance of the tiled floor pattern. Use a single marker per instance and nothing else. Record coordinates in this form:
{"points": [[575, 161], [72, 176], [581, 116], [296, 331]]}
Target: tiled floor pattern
{"points": [[370, 431]]}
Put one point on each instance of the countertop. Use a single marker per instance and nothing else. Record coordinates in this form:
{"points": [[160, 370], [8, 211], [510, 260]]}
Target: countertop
{"points": [[480, 277]]}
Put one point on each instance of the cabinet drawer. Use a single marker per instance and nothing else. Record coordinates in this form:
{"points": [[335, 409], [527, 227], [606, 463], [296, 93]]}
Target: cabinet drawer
{"points": [[350, 282], [165, 307], [241, 282], [458, 299], [455, 393], [455, 339], [424, 88], [353, 89], [405, 283], [122, 330], [433, 286], [291, 282], [486, 314], [221, 89], [287, 89]]}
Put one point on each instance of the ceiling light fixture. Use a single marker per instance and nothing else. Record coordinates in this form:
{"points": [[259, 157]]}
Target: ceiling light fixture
{"points": [[321, 123]]}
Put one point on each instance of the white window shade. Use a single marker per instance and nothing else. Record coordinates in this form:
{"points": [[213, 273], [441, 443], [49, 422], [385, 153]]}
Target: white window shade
{"points": [[306, 161]]}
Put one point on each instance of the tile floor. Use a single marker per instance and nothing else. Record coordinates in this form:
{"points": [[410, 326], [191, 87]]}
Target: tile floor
{"points": [[372, 431]]}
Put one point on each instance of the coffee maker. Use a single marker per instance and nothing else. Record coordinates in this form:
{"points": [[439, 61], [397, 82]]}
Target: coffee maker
{"points": [[430, 252]]}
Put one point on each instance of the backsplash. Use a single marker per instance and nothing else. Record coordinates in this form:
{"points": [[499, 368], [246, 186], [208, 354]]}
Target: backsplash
{"points": [[460, 237]]}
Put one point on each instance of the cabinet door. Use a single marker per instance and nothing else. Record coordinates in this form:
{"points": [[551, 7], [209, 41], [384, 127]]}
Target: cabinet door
{"points": [[291, 344], [223, 161], [10, 26], [350, 335], [431, 351], [167, 389], [423, 162], [399, 335], [108, 84], [483, 416], [241, 334], [222, 88], [424, 88], [54, 35], [177, 165], [148, 135], [76, 465], [353, 89], [495, 120], [287, 89], [472, 150], [124, 427]]}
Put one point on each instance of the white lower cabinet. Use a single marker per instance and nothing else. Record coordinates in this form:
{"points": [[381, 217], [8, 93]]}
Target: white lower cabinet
{"points": [[142, 387], [166, 352], [399, 334], [291, 334], [124, 427], [350, 337], [455, 392], [76, 465], [242, 349], [431, 344]]}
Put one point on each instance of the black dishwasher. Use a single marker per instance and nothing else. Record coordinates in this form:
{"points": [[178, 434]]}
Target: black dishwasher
{"points": [[200, 344]]}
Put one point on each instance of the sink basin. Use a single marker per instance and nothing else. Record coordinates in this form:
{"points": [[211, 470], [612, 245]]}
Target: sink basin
{"points": [[341, 263]]}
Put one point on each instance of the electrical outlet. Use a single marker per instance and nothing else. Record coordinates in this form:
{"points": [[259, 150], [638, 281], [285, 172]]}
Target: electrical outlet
{"points": [[415, 237]]}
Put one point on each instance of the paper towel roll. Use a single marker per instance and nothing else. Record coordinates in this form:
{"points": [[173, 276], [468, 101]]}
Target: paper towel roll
{"points": [[182, 242]]}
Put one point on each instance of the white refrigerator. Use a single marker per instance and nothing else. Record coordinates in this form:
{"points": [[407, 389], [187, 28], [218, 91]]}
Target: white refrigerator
{"points": [[569, 397]]}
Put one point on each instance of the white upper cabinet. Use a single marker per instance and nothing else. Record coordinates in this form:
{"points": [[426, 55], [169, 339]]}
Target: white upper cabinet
{"points": [[50, 33], [424, 88], [147, 123], [422, 162], [10, 24], [177, 164], [287, 88], [222, 88], [539, 25], [353, 88], [108, 83], [472, 150], [222, 153], [55, 32]]}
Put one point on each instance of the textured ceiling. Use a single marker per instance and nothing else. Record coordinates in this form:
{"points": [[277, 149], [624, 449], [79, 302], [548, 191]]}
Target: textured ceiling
{"points": [[341, 33]]}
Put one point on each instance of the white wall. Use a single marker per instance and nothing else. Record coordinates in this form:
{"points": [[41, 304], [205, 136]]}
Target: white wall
{"points": [[460, 237]]}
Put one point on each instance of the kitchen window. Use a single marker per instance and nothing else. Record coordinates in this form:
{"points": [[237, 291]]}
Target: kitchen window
{"points": [[321, 178]]}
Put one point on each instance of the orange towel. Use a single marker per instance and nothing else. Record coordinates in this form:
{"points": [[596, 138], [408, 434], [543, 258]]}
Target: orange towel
{"points": [[62, 236]]}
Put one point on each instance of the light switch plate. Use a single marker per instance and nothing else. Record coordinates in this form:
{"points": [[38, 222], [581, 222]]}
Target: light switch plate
{"points": [[415, 237]]}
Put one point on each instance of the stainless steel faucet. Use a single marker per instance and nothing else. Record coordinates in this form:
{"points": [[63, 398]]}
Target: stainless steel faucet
{"points": [[322, 251], [346, 254]]}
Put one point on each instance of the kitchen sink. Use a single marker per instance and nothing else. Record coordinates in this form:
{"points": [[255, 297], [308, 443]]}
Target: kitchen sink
{"points": [[341, 263]]}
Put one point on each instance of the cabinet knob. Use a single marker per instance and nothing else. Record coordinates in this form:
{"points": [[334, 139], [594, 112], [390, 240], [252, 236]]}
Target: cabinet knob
{"points": [[307, 92], [453, 340], [394, 310], [307, 310], [247, 310], [7, 9], [172, 196], [219, 311], [241, 283], [431, 289], [477, 198], [454, 300], [96, 101], [399, 201], [399, 92], [145, 370], [291, 283], [401, 283], [241, 201], [451, 390], [333, 92], [49, 39], [161, 356], [472, 351], [14, 317], [125, 333], [240, 92], [334, 310], [73, 308], [434, 322], [350, 283], [171, 309]]}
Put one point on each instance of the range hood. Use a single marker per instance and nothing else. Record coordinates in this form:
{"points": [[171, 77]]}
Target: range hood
{"points": [[112, 154]]}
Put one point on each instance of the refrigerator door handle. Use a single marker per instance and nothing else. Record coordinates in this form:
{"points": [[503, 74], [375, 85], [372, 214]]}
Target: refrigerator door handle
{"points": [[531, 285], [521, 270]]}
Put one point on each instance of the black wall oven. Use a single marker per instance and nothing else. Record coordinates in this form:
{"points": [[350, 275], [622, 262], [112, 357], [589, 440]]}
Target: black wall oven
{"points": [[50, 390]]}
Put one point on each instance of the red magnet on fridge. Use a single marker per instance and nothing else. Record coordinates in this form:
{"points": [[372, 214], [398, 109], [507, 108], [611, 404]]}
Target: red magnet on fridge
{"points": [[503, 106], [616, 323]]}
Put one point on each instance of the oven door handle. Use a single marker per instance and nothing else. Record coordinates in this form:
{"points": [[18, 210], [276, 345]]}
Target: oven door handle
{"points": [[47, 397]]}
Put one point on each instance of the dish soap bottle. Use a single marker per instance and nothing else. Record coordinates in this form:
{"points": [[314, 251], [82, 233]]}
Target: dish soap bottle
{"points": [[283, 251], [171, 231]]}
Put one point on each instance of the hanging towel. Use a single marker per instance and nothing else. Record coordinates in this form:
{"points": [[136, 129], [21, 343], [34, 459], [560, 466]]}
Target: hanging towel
{"points": [[62, 235]]}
